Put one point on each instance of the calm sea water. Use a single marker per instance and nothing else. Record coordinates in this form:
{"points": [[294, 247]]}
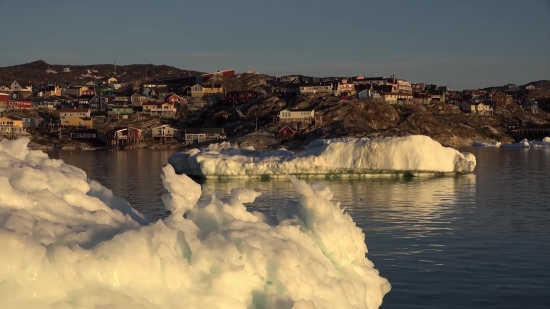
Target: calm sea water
{"points": [[471, 241]]}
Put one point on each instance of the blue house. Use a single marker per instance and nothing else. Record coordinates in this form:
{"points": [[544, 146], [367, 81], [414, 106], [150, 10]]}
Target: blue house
{"points": [[93, 104], [530, 105]]}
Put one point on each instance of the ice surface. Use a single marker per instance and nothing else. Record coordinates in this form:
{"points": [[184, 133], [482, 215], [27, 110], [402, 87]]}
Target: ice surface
{"points": [[486, 144], [416, 153], [67, 242]]}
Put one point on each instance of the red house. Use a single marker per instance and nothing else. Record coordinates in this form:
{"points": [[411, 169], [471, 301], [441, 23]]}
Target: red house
{"points": [[20, 104], [225, 73], [287, 132], [174, 98], [120, 136], [239, 97]]}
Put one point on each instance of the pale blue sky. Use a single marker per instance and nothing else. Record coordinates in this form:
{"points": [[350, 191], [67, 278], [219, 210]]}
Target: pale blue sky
{"points": [[468, 43]]}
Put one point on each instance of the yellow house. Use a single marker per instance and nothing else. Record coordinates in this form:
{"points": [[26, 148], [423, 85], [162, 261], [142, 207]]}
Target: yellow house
{"points": [[501, 99], [11, 126], [212, 89], [76, 121]]}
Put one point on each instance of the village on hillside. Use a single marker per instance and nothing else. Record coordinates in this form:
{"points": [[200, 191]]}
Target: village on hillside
{"points": [[194, 110]]}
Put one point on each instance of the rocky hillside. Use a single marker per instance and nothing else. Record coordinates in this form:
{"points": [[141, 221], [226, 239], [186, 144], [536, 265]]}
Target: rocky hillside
{"points": [[443, 122], [41, 72], [245, 81]]}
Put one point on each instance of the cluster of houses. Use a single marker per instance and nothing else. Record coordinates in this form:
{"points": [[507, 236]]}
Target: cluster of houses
{"points": [[391, 90], [164, 97]]}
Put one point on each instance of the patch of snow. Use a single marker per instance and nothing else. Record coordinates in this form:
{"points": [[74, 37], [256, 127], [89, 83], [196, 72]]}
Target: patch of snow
{"points": [[486, 144], [68, 242], [66, 70], [345, 156], [51, 71]]}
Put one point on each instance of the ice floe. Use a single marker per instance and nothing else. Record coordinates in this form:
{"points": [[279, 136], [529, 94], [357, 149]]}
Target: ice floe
{"points": [[343, 156]]}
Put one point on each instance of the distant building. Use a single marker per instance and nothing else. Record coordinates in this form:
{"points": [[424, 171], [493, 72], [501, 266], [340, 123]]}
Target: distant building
{"points": [[197, 135], [306, 115], [500, 100], [121, 136], [11, 127], [164, 132], [287, 132]]}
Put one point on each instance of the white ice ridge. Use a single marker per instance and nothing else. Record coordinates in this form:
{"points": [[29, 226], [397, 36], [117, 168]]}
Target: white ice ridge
{"points": [[67, 242], [415, 153]]}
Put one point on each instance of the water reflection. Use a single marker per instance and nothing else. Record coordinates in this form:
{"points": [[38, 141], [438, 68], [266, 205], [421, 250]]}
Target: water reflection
{"points": [[470, 241]]}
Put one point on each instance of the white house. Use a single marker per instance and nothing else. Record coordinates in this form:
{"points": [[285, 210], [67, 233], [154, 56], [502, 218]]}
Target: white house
{"points": [[316, 89], [164, 131], [395, 97], [72, 112], [18, 87], [197, 91], [287, 115]]}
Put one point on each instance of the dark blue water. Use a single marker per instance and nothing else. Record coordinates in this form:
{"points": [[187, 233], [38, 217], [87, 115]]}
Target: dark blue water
{"points": [[471, 241]]}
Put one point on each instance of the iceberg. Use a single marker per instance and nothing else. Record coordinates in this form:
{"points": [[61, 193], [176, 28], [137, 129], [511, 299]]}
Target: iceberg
{"points": [[68, 242], [345, 156]]}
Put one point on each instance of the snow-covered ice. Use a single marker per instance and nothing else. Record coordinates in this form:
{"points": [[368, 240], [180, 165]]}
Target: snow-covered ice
{"points": [[67, 242], [486, 144], [343, 156]]}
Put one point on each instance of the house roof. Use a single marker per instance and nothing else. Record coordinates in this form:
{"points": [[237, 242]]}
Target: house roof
{"points": [[293, 130], [397, 93], [222, 112], [13, 118], [84, 131], [23, 84], [298, 110], [212, 86], [74, 110], [164, 126], [204, 130], [155, 103], [119, 128]]}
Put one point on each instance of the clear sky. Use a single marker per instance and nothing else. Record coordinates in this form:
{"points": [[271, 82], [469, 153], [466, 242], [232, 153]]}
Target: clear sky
{"points": [[464, 43]]}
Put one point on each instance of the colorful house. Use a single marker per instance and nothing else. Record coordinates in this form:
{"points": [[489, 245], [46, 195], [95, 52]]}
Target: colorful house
{"points": [[121, 136], [160, 109], [287, 132], [212, 89], [76, 121], [197, 91], [164, 132], [71, 112], [222, 118], [11, 127], [123, 112], [500, 100], [197, 135], [306, 115]]}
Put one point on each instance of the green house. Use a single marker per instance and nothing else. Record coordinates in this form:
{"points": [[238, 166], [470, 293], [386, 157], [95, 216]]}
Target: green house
{"points": [[122, 110]]}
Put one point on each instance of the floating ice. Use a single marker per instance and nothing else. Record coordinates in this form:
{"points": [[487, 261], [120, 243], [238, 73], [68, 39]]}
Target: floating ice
{"points": [[347, 156], [544, 143], [67, 242], [486, 144]]}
